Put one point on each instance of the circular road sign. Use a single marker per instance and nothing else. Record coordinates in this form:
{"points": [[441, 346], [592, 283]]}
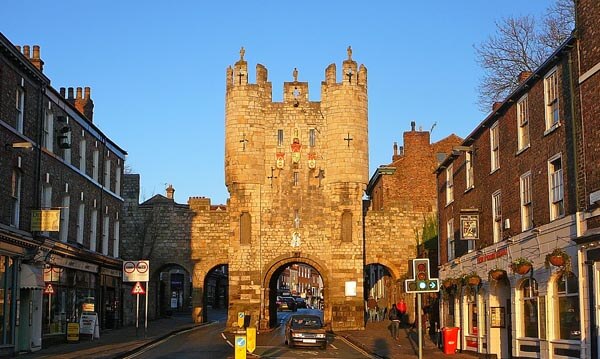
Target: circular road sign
{"points": [[142, 267], [129, 267]]}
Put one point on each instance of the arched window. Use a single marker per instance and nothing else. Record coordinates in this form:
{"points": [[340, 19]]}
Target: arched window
{"points": [[529, 320], [568, 325]]}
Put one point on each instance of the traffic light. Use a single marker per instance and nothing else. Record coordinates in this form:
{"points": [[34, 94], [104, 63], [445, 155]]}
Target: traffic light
{"points": [[421, 282]]}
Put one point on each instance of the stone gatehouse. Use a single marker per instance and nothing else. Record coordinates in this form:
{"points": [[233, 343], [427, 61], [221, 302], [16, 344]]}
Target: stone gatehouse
{"points": [[297, 173]]}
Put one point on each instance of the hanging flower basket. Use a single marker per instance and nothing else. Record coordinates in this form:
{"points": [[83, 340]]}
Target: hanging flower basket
{"points": [[558, 258], [497, 274], [521, 266], [473, 280], [448, 283]]}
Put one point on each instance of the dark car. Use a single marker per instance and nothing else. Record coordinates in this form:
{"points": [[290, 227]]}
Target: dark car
{"points": [[287, 303], [305, 330], [300, 302]]}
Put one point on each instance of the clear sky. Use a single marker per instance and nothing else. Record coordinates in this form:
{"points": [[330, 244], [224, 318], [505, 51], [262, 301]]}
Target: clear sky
{"points": [[157, 68]]}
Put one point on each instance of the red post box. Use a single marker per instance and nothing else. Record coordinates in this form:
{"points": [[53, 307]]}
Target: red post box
{"points": [[449, 338]]}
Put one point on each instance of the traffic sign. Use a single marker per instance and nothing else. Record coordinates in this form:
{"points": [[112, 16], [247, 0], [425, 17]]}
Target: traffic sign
{"points": [[251, 339], [138, 289], [136, 271], [241, 319], [240, 347], [49, 289], [421, 282]]}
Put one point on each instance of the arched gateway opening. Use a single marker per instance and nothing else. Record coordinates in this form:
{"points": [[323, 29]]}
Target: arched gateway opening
{"points": [[295, 284], [216, 293], [173, 290]]}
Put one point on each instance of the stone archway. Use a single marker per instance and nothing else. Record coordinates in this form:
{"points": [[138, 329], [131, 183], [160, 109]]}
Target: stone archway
{"points": [[272, 272], [172, 290]]}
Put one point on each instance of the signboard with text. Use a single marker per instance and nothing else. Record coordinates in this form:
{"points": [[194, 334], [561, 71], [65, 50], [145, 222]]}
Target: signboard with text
{"points": [[45, 220], [136, 271]]}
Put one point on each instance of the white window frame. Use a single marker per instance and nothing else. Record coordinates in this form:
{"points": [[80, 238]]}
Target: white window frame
{"points": [[523, 140], [93, 229], [551, 100], [556, 187], [16, 183], [67, 151], [80, 222], [533, 297], [105, 234], [20, 106], [63, 233], [497, 216], [469, 174], [48, 137], [526, 196], [95, 161], [494, 147], [117, 229], [118, 181], [451, 240], [449, 184], [107, 174], [82, 155]]}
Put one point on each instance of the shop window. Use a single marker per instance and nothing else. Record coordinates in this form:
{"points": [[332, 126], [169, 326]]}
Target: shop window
{"points": [[6, 299], [472, 313], [567, 307], [529, 312]]}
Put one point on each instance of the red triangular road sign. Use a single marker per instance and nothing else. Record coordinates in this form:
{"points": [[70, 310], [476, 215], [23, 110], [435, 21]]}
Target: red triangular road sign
{"points": [[49, 289], [138, 289]]}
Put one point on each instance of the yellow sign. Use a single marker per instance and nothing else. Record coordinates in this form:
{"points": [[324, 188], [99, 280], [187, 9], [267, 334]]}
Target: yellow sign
{"points": [[45, 220], [72, 332], [251, 339], [240, 347], [241, 320]]}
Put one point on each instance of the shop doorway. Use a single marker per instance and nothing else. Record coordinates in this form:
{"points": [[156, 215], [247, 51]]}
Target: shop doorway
{"points": [[174, 291]]}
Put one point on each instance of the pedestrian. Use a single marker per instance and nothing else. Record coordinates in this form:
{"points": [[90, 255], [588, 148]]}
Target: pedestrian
{"points": [[394, 316], [383, 308], [372, 306], [401, 306]]}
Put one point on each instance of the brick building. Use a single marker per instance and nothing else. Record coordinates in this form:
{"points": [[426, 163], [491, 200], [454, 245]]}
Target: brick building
{"points": [[60, 207], [516, 192]]}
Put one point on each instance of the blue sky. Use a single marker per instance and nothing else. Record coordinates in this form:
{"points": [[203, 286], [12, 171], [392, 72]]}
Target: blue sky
{"points": [[157, 68]]}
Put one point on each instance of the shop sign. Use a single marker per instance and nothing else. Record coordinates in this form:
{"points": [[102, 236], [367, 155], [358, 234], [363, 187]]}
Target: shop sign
{"points": [[111, 272], [469, 226], [136, 271], [88, 324], [45, 220], [88, 307], [497, 254], [73, 263], [72, 332]]}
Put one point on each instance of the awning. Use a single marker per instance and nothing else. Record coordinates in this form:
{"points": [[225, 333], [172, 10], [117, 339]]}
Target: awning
{"points": [[31, 277]]}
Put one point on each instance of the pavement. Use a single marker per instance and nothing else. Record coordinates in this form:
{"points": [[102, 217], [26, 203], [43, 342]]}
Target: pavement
{"points": [[120, 343]]}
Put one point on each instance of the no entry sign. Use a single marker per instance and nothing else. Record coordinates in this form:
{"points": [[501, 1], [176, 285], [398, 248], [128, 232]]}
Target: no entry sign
{"points": [[136, 271]]}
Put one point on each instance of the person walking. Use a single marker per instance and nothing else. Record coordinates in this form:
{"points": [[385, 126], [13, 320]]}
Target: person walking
{"points": [[394, 316], [372, 305], [401, 306], [383, 308]]}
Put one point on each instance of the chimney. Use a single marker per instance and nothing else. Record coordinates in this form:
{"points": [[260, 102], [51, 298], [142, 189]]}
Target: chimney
{"points": [[412, 125], [523, 76], [395, 156], [82, 102], [170, 191], [36, 60], [63, 92]]}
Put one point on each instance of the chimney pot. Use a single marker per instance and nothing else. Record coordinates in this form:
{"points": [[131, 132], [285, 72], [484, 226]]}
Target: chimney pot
{"points": [[70, 93], [395, 148], [170, 191], [36, 52], [86, 93], [63, 91], [18, 48], [412, 125], [26, 51], [79, 93]]}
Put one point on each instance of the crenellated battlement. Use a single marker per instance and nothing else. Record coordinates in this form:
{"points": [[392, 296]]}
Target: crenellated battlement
{"points": [[294, 91]]}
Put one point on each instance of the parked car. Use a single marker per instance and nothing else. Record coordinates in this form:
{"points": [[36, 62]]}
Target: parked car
{"points": [[300, 302], [305, 330], [287, 303]]}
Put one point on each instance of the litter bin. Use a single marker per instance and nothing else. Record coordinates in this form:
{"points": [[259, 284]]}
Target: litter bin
{"points": [[449, 338]]}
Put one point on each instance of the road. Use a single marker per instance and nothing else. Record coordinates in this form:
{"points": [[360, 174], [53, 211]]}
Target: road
{"points": [[211, 343]]}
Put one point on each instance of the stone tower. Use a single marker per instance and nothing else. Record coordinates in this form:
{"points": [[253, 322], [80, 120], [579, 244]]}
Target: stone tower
{"points": [[296, 172]]}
